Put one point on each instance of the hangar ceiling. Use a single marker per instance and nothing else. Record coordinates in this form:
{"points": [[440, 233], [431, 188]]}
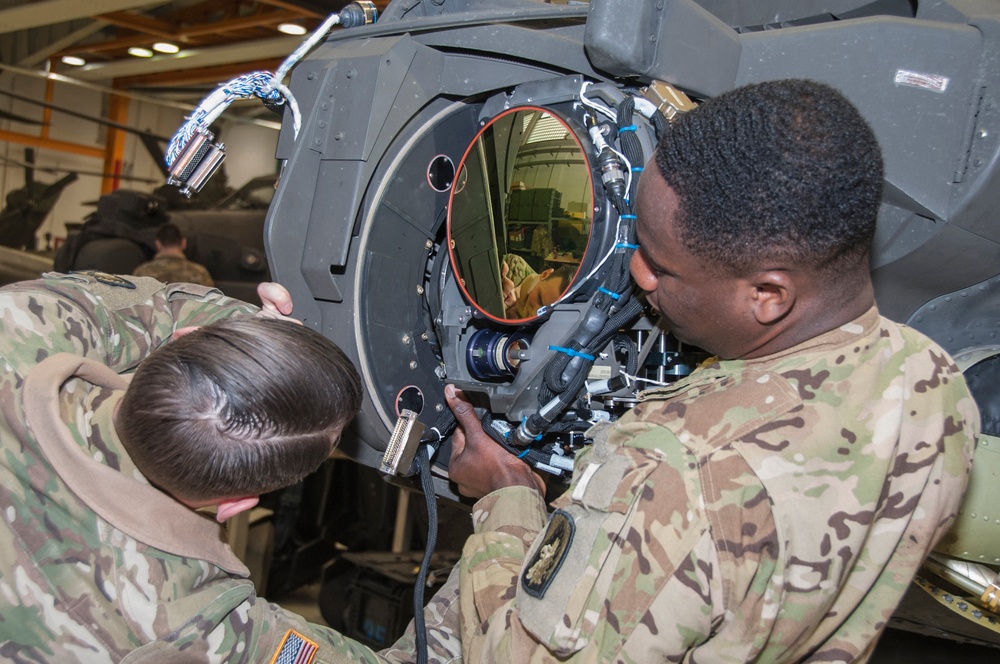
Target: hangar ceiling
{"points": [[217, 39]]}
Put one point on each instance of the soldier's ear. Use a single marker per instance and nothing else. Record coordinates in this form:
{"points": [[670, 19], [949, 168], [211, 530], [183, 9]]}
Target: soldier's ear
{"points": [[181, 331], [231, 507], [772, 296]]}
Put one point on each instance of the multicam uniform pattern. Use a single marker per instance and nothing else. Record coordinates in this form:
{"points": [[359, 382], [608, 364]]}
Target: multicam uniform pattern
{"points": [[174, 269], [770, 510], [96, 565]]}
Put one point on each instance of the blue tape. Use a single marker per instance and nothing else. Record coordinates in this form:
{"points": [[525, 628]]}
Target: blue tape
{"points": [[627, 128], [613, 295], [572, 353], [624, 245]]}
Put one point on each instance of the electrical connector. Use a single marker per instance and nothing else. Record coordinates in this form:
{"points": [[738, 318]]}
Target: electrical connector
{"points": [[358, 13], [196, 163], [668, 100], [403, 444]]}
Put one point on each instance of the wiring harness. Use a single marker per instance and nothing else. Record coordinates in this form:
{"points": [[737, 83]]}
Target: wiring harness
{"points": [[613, 305], [192, 157]]}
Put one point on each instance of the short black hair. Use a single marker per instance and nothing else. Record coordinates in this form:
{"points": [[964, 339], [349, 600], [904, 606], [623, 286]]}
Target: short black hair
{"points": [[784, 169], [169, 235]]}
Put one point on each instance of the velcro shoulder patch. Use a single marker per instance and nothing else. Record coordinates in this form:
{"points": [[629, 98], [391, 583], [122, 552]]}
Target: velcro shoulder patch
{"points": [[549, 556], [295, 649], [108, 279]]}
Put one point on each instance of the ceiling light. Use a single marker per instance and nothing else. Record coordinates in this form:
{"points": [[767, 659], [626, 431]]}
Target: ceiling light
{"points": [[73, 60], [166, 47], [140, 52], [291, 29]]}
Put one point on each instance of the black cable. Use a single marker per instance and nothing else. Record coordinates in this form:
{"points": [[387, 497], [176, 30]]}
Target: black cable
{"points": [[430, 498]]}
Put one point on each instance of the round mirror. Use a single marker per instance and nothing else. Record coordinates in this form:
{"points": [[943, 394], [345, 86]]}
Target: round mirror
{"points": [[519, 224]]}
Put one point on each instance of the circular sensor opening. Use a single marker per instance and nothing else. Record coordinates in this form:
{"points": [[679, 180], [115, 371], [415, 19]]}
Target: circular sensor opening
{"points": [[410, 398], [441, 173]]}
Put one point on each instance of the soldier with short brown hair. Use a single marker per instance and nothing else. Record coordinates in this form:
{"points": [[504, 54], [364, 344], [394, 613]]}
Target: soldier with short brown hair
{"points": [[170, 264], [125, 405]]}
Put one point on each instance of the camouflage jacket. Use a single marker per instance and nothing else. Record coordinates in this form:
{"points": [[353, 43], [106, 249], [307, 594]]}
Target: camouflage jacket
{"points": [[96, 565], [174, 269], [770, 510]]}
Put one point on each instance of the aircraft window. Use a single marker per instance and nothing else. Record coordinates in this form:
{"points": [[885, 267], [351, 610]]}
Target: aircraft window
{"points": [[519, 224]]}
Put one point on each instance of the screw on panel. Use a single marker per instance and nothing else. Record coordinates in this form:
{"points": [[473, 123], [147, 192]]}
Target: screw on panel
{"points": [[406, 339], [420, 290], [428, 244], [439, 407], [413, 364]]}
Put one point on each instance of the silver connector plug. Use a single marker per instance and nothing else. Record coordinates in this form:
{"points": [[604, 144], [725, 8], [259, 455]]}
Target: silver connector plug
{"points": [[403, 444], [196, 163]]}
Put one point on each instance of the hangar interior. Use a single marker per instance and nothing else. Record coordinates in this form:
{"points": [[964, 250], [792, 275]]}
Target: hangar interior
{"points": [[373, 197]]}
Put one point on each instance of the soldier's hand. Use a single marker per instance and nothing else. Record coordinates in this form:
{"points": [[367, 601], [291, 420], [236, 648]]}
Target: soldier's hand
{"points": [[478, 465], [276, 301], [508, 287]]}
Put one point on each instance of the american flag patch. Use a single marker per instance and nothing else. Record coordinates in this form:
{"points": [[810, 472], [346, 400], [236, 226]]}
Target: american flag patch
{"points": [[294, 649]]}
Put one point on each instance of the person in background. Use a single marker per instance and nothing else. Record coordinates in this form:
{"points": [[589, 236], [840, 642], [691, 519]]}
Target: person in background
{"points": [[774, 505], [128, 406], [526, 291], [169, 264]]}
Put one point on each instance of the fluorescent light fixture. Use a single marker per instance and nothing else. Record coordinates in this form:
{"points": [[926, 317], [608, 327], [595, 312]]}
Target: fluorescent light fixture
{"points": [[166, 47], [73, 60], [292, 29], [140, 52]]}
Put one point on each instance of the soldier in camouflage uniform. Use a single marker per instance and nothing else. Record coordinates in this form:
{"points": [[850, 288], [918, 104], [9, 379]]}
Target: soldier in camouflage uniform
{"points": [[170, 265], [103, 558], [774, 505]]}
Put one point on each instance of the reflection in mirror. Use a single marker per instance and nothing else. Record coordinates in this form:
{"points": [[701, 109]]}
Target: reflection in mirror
{"points": [[519, 224]]}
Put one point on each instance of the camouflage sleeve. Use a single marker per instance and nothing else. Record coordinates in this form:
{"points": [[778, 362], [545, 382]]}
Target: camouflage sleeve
{"points": [[114, 320], [249, 632], [441, 621], [506, 523], [517, 268]]}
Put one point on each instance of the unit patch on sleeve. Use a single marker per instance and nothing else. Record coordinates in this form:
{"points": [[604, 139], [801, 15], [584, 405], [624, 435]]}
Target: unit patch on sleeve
{"points": [[542, 567], [294, 649], [105, 278]]}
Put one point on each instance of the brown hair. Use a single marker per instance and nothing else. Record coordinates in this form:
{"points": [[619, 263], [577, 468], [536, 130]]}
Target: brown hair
{"points": [[237, 408], [169, 235]]}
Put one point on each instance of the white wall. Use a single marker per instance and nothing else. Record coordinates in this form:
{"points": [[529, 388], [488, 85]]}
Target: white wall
{"points": [[249, 151]]}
